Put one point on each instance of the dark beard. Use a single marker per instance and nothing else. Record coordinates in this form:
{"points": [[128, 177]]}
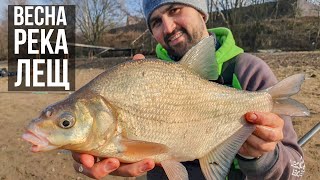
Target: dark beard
{"points": [[177, 52]]}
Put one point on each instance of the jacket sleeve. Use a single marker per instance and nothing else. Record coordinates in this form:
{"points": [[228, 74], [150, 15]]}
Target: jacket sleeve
{"points": [[286, 161]]}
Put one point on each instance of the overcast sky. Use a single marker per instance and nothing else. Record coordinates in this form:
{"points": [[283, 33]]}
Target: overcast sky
{"points": [[132, 5]]}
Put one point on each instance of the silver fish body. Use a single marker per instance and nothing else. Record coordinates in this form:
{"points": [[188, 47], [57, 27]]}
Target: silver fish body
{"points": [[166, 111], [168, 104]]}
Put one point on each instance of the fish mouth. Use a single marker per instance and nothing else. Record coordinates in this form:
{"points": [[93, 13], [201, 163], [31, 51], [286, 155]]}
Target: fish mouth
{"points": [[39, 143]]}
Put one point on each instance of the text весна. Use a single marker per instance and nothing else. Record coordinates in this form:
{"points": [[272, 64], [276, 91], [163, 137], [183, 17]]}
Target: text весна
{"points": [[35, 21]]}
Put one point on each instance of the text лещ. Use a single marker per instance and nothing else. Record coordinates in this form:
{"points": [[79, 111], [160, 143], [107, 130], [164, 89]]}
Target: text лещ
{"points": [[38, 72]]}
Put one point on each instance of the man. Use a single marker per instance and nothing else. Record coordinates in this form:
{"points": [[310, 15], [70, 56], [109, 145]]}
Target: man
{"points": [[271, 152]]}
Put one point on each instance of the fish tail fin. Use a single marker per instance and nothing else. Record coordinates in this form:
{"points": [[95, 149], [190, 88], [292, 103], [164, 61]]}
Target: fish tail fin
{"points": [[281, 92]]}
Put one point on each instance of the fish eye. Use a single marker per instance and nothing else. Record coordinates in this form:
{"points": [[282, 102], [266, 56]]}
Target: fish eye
{"points": [[66, 121]]}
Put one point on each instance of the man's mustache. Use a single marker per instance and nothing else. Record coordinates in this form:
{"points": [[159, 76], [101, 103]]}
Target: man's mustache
{"points": [[167, 36]]}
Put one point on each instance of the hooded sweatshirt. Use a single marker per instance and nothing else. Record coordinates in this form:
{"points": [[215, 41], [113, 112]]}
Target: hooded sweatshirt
{"points": [[247, 72]]}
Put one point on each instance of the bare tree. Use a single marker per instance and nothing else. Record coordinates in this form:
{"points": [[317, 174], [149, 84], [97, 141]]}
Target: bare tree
{"points": [[316, 2], [215, 12], [4, 40], [315, 44], [4, 28], [131, 7], [239, 13], [95, 17], [18, 2], [227, 9]]}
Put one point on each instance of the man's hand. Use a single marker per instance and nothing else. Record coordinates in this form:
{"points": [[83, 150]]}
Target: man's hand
{"points": [[266, 136], [89, 167], [138, 57]]}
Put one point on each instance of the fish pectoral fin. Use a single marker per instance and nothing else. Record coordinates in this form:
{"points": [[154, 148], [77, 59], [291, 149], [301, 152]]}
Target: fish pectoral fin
{"points": [[217, 163], [174, 170], [135, 148]]}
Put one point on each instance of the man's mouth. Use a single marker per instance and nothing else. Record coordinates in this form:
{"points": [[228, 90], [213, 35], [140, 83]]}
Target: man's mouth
{"points": [[175, 36]]}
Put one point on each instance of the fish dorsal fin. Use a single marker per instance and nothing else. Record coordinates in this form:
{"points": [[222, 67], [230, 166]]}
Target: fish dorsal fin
{"points": [[174, 170], [142, 149], [216, 164], [201, 59]]}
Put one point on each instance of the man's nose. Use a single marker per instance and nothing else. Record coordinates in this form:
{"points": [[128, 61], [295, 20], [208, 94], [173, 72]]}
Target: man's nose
{"points": [[168, 24]]}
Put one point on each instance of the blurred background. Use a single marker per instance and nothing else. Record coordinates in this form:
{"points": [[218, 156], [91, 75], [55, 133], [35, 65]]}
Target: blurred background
{"points": [[284, 33], [258, 25]]}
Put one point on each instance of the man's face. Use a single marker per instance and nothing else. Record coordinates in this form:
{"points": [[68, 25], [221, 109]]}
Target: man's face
{"points": [[177, 28]]}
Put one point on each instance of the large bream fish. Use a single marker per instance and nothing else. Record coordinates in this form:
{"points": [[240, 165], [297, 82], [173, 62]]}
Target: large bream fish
{"points": [[166, 111]]}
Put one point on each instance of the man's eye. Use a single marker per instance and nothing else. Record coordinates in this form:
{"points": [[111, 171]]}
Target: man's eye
{"points": [[155, 23], [174, 10]]}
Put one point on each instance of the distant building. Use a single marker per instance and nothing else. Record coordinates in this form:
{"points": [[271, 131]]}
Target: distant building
{"points": [[307, 8], [133, 20]]}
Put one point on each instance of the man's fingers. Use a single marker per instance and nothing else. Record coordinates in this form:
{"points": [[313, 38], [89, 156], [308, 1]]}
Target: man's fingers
{"points": [[247, 150], [138, 57], [258, 144], [264, 118], [85, 159], [269, 125], [135, 169], [99, 169], [82, 169], [76, 157], [104, 167], [268, 134], [87, 165]]}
